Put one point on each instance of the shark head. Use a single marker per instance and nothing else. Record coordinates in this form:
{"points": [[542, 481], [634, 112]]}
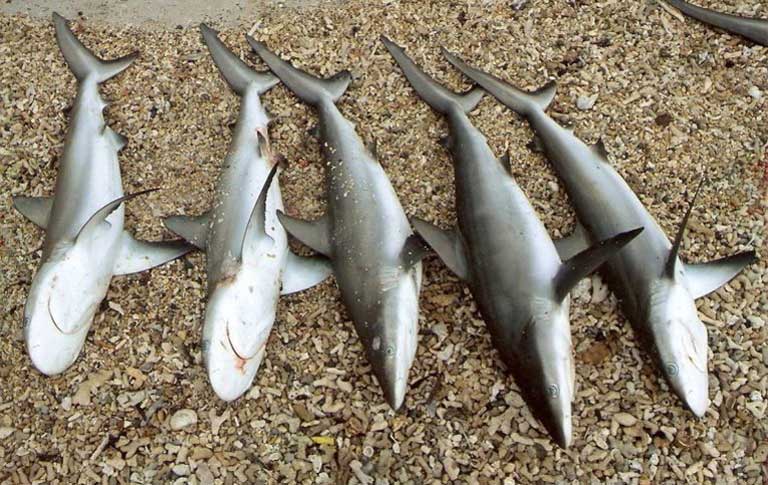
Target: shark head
{"points": [[391, 348], [680, 340], [63, 299], [238, 319], [543, 368]]}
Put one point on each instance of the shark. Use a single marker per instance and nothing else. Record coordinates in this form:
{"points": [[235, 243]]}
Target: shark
{"points": [[375, 255], [85, 243], [656, 289], [248, 262], [503, 251], [755, 30]]}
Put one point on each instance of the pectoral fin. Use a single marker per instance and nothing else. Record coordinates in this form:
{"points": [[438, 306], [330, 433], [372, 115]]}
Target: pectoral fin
{"points": [[579, 266], [303, 272], [136, 256], [446, 244], [36, 209], [704, 278], [315, 234], [193, 229]]}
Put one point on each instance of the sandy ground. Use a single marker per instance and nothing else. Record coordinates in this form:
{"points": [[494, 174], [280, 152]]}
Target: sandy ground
{"points": [[673, 100], [155, 14]]}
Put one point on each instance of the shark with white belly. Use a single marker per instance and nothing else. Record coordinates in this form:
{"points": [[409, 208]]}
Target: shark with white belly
{"points": [[248, 261], [656, 290], [85, 244]]}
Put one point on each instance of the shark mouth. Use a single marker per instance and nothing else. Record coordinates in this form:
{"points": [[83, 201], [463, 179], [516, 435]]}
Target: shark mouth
{"points": [[56, 324], [241, 358]]}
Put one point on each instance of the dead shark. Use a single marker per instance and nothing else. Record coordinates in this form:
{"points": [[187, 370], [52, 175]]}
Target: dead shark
{"points": [[755, 30], [376, 257], [248, 261], [85, 244], [656, 289], [503, 251]]}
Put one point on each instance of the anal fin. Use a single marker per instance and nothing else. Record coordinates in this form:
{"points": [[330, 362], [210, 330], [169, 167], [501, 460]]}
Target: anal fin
{"points": [[36, 209]]}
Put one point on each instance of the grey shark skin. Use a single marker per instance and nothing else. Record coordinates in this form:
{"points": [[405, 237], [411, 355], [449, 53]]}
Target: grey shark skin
{"points": [[248, 261], [85, 244], [501, 248], [656, 289], [755, 30], [376, 258]]}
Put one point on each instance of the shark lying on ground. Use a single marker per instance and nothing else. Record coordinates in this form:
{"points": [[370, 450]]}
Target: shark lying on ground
{"points": [[376, 257], [248, 261], [501, 248], [85, 244], [656, 289]]}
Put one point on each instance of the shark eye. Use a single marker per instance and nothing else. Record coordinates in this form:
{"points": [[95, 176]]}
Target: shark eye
{"points": [[390, 350], [672, 369], [553, 391]]}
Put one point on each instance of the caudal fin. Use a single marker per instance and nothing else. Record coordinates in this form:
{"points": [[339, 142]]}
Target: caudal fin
{"points": [[439, 98], [236, 72], [522, 102], [308, 88], [755, 30], [81, 61]]}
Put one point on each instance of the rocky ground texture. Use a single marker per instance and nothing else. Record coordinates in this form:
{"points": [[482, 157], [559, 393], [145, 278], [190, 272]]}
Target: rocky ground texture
{"points": [[672, 99]]}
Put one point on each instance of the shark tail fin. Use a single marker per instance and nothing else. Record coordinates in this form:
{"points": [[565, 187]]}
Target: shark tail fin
{"points": [[81, 61], [308, 88], [522, 102], [439, 98], [755, 30], [582, 264], [236, 72]]}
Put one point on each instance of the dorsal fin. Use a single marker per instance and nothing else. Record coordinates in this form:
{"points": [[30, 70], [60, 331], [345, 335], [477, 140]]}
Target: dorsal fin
{"points": [[672, 259], [257, 220], [100, 216]]}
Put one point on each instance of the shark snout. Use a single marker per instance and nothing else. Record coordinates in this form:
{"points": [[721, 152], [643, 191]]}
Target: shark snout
{"points": [[392, 375], [235, 334]]}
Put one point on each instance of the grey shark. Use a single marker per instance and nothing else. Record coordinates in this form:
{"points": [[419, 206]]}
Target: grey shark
{"points": [[501, 248], [85, 244], [376, 258], [755, 30], [248, 261], [656, 289]]}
